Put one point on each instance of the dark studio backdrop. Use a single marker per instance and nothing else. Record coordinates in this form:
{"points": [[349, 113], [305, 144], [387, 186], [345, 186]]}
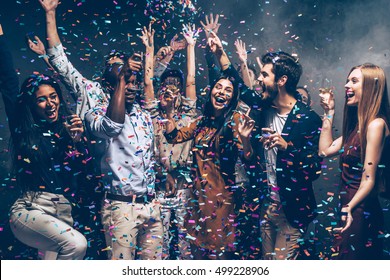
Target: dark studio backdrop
{"points": [[329, 38]]}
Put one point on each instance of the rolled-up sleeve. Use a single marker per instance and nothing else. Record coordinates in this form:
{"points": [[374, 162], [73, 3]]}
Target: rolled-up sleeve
{"points": [[100, 125]]}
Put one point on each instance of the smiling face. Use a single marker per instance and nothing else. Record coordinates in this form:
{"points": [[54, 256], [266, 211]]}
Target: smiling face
{"points": [[305, 96], [169, 91], [353, 87], [221, 95], [267, 82], [47, 104]]}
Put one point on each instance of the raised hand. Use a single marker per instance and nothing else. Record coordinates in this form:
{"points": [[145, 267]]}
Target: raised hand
{"points": [[214, 43], [135, 62], [147, 36], [1, 30], [245, 125], [38, 47], [211, 25], [162, 53], [327, 99], [241, 50], [74, 126], [190, 33], [176, 44], [259, 62], [49, 5], [126, 69]]}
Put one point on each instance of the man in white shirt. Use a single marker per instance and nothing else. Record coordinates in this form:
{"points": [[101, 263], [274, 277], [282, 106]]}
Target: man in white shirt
{"points": [[130, 212]]}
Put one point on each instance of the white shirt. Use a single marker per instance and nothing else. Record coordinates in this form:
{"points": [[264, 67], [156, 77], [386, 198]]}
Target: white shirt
{"points": [[276, 122], [127, 164], [87, 93]]}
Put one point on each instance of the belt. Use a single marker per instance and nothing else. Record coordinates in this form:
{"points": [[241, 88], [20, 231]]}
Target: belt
{"points": [[131, 198]]}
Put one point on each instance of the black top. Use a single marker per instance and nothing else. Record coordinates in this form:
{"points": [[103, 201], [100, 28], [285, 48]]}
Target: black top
{"points": [[52, 162]]}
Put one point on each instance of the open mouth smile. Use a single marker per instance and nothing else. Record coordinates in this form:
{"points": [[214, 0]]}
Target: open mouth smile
{"points": [[349, 94], [51, 114], [220, 101]]}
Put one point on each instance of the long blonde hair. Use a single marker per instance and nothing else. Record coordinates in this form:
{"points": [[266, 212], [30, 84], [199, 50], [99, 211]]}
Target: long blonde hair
{"points": [[374, 103]]}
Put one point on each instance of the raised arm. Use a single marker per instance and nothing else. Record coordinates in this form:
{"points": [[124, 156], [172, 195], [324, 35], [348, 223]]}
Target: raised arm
{"points": [[50, 7], [70, 76], [147, 38], [190, 34], [243, 57], [9, 82], [116, 110], [217, 49], [213, 25], [248, 95], [35, 44], [165, 54], [327, 147]]}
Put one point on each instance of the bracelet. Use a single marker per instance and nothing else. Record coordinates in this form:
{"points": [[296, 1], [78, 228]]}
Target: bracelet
{"points": [[326, 117]]}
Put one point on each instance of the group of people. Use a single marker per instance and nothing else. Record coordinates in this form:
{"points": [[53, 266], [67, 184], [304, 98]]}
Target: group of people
{"points": [[158, 159]]}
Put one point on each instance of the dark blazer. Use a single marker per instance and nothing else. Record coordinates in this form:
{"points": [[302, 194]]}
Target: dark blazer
{"points": [[296, 167], [299, 165]]}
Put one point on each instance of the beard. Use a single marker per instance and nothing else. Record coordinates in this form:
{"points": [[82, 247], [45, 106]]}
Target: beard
{"points": [[270, 92]]}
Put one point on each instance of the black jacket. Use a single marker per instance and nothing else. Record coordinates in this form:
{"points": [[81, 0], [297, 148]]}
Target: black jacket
{"points": [[299, 165]]}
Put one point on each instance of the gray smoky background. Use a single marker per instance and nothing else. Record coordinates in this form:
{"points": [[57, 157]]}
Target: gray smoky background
{"points": [[328, 37]]}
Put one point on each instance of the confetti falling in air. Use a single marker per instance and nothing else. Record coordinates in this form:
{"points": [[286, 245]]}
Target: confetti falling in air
{"points": [[90, 29]]}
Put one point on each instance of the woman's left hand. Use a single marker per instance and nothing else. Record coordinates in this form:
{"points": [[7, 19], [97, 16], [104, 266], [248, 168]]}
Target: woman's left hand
{"points": [[75, 127], [346, 219]]}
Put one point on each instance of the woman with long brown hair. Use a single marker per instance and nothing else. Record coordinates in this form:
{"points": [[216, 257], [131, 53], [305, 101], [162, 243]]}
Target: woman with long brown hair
{"points": [[364, 147]]}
